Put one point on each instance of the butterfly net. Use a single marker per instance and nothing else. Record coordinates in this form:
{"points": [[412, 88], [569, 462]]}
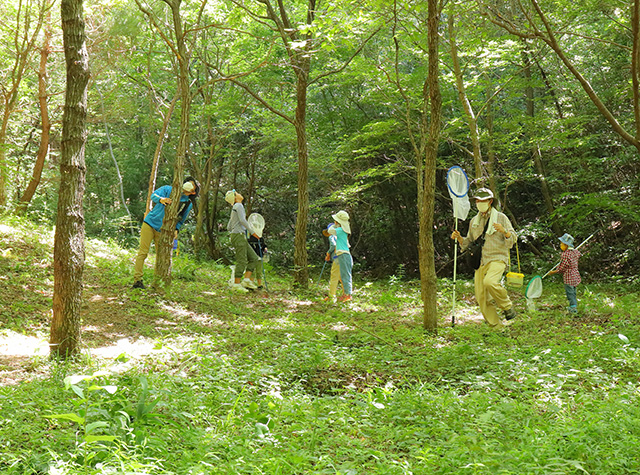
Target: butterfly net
{"points": [[534, 289], [256, 221], [458, 185]]}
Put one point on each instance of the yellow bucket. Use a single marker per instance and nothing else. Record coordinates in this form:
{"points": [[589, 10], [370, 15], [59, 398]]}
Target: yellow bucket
{"points": [[515, 279]]}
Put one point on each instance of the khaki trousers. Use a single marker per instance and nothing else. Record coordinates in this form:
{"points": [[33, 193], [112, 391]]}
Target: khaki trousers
{"points": [[246, 258], [490, 294], [147, 236], [335, 278]]}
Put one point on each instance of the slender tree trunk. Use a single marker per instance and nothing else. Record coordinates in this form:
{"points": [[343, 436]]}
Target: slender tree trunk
{"points": [[43, 150], [536, 154], [68, 254], [165, 242], [432, 97], [300, 257], [25, 34], [491, 151], [464, 100], [156, 155]]}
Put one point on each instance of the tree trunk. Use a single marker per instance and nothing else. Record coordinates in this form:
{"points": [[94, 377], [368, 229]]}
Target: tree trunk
{"points": [[300, 257], [43, 150], [68, 254], [165, 241], [432, 96], [468, 109], [536, 154], [24, 40], [156, 155]]}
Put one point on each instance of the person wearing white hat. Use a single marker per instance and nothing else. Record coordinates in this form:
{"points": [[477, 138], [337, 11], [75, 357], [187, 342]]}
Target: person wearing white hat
{"points": [[247, 261], [499, 237], [342, 229], [150, 230]]}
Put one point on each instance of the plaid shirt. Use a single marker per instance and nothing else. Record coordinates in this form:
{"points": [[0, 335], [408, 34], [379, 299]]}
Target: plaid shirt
{"points": [[496, 247], [569, 267]]}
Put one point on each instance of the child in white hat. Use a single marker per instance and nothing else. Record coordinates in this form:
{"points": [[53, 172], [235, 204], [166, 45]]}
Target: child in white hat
{"points": [[342, 229], [569, 269]]}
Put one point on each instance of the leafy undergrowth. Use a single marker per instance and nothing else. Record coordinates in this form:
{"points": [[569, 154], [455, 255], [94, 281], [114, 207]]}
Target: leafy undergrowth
{"points": [[205, 381]]}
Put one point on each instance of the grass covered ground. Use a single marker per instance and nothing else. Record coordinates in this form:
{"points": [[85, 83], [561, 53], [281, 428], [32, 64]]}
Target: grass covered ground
{"points": [[205, 381]]}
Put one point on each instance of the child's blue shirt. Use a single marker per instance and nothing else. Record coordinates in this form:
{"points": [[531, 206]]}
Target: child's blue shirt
{"points": [[342, 239]]}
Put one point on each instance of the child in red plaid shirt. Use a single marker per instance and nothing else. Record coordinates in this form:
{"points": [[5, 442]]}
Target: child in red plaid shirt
{"points": [[569, 269]]}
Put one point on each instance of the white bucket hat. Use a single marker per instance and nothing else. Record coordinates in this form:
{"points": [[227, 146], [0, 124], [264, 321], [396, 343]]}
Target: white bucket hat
{"points": [[230, 197], [342, 217]]}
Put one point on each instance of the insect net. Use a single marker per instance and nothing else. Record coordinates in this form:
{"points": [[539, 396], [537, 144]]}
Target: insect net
{"points": [[458, 185], [256, 221]]}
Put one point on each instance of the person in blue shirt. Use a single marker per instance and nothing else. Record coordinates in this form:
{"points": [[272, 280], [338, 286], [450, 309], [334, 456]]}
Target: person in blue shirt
{"points": [[342, 229], [150, 231], [332, 257]]}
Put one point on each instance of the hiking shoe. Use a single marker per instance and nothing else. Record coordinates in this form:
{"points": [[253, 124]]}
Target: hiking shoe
{"points": [[248, 284], [137, 285], [510, 314], [238, 288]]}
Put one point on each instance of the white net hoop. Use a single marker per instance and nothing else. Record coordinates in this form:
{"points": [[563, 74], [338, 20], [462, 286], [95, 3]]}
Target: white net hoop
{"points": [[256, 221], [458, 185]]}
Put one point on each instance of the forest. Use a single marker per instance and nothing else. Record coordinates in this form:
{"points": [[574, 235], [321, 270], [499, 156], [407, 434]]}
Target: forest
{"points": [[308, 108]]}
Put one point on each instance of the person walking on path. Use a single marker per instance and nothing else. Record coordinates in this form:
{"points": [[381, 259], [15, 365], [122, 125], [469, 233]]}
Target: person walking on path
{"points": [[247, 261], [569, 269], [332, 257], [150, 230], [499, 238], [341, 229]]}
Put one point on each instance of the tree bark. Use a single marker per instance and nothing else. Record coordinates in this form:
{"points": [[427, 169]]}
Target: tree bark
{"points": [[43, 150], [25, 41], [468, 109], [432, 97], [156, 155], [536, 154], [300, 256], [68, 254], [165, 242]]}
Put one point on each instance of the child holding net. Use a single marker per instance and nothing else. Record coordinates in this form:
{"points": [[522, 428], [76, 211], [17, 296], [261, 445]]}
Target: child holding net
{"points": [[568, 267]]}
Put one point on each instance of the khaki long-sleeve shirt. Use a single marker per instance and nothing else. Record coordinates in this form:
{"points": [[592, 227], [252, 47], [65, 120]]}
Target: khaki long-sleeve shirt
{"points": [[496, 246]]}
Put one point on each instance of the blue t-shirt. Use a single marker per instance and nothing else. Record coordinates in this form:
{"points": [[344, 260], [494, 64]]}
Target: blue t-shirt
{"points": [[156, 215], [342, 239]]}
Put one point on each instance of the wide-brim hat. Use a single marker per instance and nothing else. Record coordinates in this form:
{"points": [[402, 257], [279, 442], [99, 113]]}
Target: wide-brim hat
{"points": [[483, 194], [342, 217], [567, 239], [230, 197]]}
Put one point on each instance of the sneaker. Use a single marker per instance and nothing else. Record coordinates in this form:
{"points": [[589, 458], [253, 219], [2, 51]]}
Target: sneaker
{"points": [[510, 314], [248, 284], [238, 288], [137, 285], [345, 298]]}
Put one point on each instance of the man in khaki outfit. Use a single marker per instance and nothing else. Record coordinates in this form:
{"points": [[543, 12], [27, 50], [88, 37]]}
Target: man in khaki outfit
{"points": [[499, 239]]}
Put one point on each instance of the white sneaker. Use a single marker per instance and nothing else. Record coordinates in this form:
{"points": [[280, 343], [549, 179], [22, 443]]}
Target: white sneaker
{"points": [[248, 284], [238, 288]]}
